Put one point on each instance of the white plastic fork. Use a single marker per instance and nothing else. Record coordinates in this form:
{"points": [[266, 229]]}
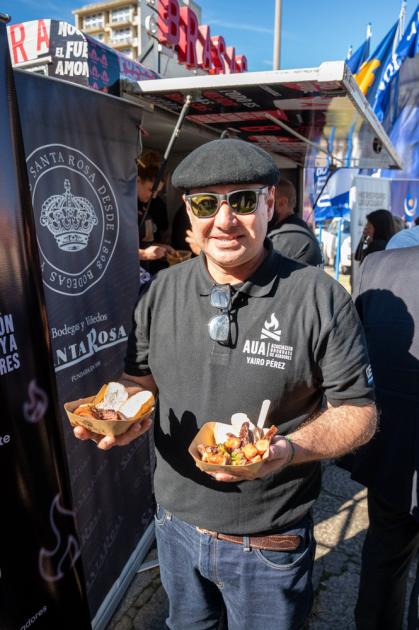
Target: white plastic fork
{"points": [[263, 413]]}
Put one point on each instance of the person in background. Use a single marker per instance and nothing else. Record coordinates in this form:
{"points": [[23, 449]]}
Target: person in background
{"points": [[399, 224], [404, 238], [290, 235], [378, 230], [182, 237], [387, 301], [241, 324], [153, 226], [409, 238]]}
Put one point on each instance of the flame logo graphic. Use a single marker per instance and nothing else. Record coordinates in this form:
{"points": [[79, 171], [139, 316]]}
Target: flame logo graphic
{"points": [[273, 323], [34, 409], [271, 329], [54, 564]]}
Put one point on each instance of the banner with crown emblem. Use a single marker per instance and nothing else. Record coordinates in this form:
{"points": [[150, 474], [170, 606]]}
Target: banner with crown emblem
{"points": [[42, 580], [81, 147]]}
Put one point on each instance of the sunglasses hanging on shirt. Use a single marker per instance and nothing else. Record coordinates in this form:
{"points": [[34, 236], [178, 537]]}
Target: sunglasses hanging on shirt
{"points": [[219, 325]]}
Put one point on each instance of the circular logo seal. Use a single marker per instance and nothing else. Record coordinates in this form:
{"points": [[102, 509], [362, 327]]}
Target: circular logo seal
{"points": [[76, 218], [410, 205]]}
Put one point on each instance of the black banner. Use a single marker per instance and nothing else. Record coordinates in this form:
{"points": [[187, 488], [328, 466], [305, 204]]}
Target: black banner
{"points": [[42, 582], [80, 148], [66, 53]]}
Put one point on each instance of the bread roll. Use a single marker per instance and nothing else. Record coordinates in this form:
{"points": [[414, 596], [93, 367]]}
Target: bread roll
{"points": [[114, 396], [100, 395], [137, 405]]}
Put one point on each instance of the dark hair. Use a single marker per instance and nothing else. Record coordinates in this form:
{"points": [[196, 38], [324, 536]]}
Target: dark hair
{"points": [[147, 173], [382, 221]]}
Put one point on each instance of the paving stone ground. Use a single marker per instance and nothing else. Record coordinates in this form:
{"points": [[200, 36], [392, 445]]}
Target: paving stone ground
{"points": [[340, 523]]}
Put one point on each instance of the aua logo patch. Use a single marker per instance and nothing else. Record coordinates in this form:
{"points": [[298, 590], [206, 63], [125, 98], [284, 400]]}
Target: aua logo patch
{"points": [[268, 351], [76, 218]]}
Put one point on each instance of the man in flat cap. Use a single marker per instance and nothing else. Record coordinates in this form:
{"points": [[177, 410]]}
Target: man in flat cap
{"points": [[218, 335]]}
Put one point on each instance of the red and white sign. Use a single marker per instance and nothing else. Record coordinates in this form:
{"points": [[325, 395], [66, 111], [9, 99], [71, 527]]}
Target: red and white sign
{"points": [[29, 40], [178, 28]]}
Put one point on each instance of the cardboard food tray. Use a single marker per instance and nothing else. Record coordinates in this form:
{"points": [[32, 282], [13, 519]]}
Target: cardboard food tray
{"points": [[205, 436], [104, 427]]}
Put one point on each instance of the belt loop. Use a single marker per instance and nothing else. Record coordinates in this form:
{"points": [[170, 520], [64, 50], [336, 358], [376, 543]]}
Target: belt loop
{"points": [[246, 543]]}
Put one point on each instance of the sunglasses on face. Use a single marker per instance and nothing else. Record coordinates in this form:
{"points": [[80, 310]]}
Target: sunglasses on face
{"points": [[241, 202]]}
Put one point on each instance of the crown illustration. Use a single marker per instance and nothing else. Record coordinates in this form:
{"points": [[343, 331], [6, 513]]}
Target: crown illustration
{"points": [[69, 218]]}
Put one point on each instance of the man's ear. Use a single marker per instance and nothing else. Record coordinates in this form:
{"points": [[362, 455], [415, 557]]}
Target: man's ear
{"points": [[271, 202]]}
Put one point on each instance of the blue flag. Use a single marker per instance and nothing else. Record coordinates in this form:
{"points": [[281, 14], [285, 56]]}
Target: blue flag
{"points": [[334, 201], [356, 60], [407, 47], [369, 75]]}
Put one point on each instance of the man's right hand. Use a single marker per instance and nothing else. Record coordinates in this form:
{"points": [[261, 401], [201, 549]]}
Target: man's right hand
{"points": [[152, 252], [105, 442]]}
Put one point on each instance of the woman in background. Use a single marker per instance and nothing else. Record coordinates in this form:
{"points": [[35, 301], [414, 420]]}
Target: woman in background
{"points": [[377, 232]]}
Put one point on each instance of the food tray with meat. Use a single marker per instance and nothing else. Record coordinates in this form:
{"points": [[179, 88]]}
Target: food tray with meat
{"points": [[220, 447], [112, 411]]}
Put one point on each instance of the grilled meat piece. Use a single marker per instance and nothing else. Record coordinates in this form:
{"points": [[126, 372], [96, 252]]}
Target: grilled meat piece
{"points": [[245, 434], [273, 430], [104, 414]]}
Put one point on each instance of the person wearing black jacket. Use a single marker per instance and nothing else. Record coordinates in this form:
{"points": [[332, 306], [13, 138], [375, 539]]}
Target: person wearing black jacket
{"points": [[388, 304], [290, 235]]}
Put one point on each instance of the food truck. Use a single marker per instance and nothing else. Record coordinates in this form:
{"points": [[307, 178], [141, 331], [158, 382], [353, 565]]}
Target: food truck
{"points": [[86, 112]]}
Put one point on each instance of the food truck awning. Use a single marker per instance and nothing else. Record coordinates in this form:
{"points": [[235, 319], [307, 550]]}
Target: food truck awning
{"points": [[314, 117]]}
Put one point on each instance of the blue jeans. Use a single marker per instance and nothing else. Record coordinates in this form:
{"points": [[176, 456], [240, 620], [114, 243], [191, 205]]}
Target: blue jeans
{"points": [[211, 583]]}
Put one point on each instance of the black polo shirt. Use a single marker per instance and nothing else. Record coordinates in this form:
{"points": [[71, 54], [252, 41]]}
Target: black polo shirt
{"points": [[295, 336]]}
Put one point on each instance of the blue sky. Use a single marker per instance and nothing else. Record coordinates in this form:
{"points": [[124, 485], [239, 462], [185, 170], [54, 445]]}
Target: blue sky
{"points": [[312, 31]]}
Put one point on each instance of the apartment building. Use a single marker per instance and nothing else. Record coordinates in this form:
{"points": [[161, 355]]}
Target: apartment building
{"points": [[121, 24], [116, 23]]}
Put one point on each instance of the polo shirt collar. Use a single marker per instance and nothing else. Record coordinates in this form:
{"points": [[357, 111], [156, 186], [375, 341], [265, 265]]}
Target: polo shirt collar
{"points": [[260, 282]]}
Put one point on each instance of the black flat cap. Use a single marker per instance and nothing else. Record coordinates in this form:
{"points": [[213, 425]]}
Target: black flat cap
{"points": [[226, 161]]}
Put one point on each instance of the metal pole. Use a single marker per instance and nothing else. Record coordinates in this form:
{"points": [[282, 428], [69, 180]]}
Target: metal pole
{"points": [[338, 247], [278, 122], [175, 133], [277, 34], [402, 18]]}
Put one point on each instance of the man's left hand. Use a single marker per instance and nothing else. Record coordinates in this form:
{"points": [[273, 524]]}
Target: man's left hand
{"points": [[280, 453]]}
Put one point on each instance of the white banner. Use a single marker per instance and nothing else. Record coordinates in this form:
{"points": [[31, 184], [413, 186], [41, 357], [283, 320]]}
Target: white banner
{"points": [[367, 194]]}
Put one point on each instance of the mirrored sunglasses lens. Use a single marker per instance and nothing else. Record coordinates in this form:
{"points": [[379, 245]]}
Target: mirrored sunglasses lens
{"points": [[220, 297], [219, 328], [244, 201], [204, 205]]}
